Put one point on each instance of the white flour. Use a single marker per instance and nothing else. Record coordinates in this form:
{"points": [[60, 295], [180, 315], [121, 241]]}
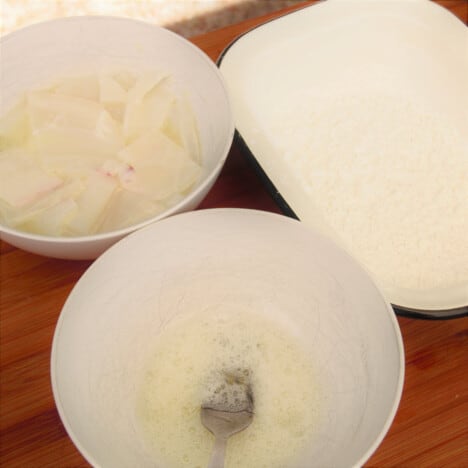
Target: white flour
{"points": [[390, 178]]}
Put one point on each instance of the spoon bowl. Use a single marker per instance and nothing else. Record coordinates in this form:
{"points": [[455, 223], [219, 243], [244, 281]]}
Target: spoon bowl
{"points": [[228, 409]]}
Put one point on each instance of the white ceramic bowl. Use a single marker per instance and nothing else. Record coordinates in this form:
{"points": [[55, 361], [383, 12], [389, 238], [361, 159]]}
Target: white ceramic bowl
{"points": [[38, 53], [226, 258]]}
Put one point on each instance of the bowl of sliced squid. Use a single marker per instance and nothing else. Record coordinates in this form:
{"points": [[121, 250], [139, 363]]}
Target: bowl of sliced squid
{"points": [[106, 125]]}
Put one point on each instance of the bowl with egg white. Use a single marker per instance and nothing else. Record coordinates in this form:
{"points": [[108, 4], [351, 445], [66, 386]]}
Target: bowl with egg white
{"points": [[146, 332], [106, 125]]}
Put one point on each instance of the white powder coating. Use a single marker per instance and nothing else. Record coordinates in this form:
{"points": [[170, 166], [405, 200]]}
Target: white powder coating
{"points": [[179, 375], [390, 178]]}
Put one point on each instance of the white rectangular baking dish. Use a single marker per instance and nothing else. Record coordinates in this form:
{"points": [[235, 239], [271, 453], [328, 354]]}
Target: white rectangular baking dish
{"points": [[409, 58]]}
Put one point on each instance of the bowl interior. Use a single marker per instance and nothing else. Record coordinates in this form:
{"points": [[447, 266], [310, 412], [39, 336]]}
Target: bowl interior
{"points": [[37, 54], [226, 259]]}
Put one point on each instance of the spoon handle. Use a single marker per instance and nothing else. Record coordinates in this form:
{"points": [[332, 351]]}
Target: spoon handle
{"points": [[219, 451]]}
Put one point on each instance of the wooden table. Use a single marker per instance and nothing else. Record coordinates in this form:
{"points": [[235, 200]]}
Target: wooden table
{"points": [[430, 429]]}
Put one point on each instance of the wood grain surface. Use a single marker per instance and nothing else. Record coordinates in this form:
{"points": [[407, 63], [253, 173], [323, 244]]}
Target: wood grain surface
{"points": [[431, 426]]}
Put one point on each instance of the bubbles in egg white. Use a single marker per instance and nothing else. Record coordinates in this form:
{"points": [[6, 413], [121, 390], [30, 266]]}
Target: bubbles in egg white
{"points": [[179, 374]]}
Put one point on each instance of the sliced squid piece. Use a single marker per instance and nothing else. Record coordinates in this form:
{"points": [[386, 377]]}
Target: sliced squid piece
{"points": [[14, 126], [80, 86], [17, 217], [150, 112], [92, 203], [51, 220], [22, 181], [128, 208], [160, 167]]}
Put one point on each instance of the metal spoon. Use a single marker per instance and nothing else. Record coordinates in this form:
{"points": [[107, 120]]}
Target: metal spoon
{"points": [[228, 409]]}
